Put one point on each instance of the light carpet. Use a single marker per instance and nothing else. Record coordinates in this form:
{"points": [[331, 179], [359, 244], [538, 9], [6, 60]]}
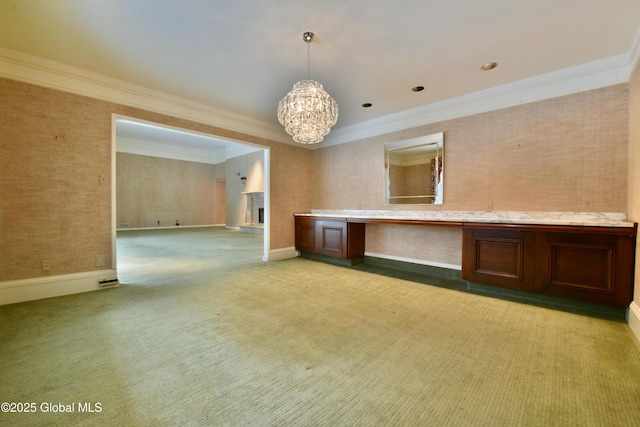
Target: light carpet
{"points": [[202, 332]]}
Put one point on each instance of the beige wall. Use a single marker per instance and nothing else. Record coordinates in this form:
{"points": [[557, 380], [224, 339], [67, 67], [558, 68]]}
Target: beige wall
{"points": [[634, 167], [563, 154], [53, 204], [291, 190], [54, 149], [152, 189]]}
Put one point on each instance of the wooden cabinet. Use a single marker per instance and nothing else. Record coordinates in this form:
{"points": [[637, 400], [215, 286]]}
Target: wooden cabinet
{"points": [[593, 267], [335, 238], [305, 234], [496, 256], [588, 263]]}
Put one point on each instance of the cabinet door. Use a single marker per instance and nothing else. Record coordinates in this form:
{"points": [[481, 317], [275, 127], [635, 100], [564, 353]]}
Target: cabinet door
{"points": [[591, 267], [305, 234], [498, 256], [332, 238]]}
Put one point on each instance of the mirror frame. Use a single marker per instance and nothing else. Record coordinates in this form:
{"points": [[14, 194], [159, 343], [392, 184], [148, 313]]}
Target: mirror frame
{"points": [[435, 140]]}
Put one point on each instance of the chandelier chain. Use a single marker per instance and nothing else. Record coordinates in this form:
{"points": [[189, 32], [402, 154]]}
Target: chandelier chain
{"points": [[308, 61]]}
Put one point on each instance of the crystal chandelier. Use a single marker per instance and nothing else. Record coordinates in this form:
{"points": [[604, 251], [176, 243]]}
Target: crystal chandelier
{"points": [[307, 112]]}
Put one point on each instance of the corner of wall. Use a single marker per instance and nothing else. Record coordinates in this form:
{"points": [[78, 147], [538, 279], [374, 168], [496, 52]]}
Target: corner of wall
{"points": [[633, 210], [280, 254], [634, 319]]}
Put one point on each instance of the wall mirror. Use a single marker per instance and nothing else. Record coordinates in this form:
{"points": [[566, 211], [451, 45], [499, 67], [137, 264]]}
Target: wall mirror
{"points": [[413, 171]]}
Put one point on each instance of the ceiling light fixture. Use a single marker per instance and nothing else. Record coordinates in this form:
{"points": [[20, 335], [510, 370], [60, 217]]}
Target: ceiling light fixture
{"points": [[307, 112], [489, 66]]}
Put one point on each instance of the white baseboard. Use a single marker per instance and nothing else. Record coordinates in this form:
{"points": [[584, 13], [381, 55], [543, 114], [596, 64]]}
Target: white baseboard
{"points": [[634, 319], [280, 254], [15, 291], [415, 261], [169, 227]]}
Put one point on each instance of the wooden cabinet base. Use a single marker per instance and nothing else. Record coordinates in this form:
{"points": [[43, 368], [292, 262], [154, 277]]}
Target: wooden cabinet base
{"points": [[592, 264], [587, 263], [332, 238], [498, 257], [593, 267]]}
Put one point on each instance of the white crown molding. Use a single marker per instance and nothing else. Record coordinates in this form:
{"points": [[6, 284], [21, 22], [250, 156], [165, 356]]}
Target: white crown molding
{"points": [[43, 72], [54, 75], [177, 152], [593, 75], [168, 151], [235, 150]]}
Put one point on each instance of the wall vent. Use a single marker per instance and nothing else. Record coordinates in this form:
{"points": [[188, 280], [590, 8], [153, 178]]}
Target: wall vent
{"points": [[108, 281]]}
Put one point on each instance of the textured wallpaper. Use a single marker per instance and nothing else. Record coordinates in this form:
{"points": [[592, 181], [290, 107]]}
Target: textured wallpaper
{"points": [[152, 191], [55, 180], [563, 154], [55, 195]]}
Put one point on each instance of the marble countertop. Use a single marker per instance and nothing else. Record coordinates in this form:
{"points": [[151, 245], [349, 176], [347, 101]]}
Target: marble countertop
{"points": [[595, 219]]}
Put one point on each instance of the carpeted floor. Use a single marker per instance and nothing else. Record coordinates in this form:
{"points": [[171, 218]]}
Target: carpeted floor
{"points": [[202, 332]]}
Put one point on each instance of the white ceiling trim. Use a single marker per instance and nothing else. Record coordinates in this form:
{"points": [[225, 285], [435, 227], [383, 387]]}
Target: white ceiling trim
{"points": [[594, 75], [43, 72], [167, 151], [236, 150], [55, 75]]}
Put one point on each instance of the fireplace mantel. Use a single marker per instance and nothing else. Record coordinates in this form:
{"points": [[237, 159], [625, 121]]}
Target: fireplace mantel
{"points": [[254, 217]]}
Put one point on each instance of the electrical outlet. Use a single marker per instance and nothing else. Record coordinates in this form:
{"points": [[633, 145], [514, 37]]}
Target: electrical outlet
{"points": [[100, 260], [46, 265]]}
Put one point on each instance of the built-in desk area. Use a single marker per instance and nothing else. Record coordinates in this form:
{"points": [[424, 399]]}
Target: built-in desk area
{"points": [[585, 256]]}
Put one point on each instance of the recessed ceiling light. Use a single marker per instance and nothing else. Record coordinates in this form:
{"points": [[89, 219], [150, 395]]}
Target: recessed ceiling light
{"points": [[417, 88], [489, 66], [367, 104]]}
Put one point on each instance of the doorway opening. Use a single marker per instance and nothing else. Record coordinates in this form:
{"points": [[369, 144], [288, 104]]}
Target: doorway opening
{"points": [[165, 177]]}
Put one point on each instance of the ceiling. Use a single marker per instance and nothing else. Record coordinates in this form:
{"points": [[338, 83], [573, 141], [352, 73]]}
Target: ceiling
{"points": [[242, 56], [149, 139]]}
